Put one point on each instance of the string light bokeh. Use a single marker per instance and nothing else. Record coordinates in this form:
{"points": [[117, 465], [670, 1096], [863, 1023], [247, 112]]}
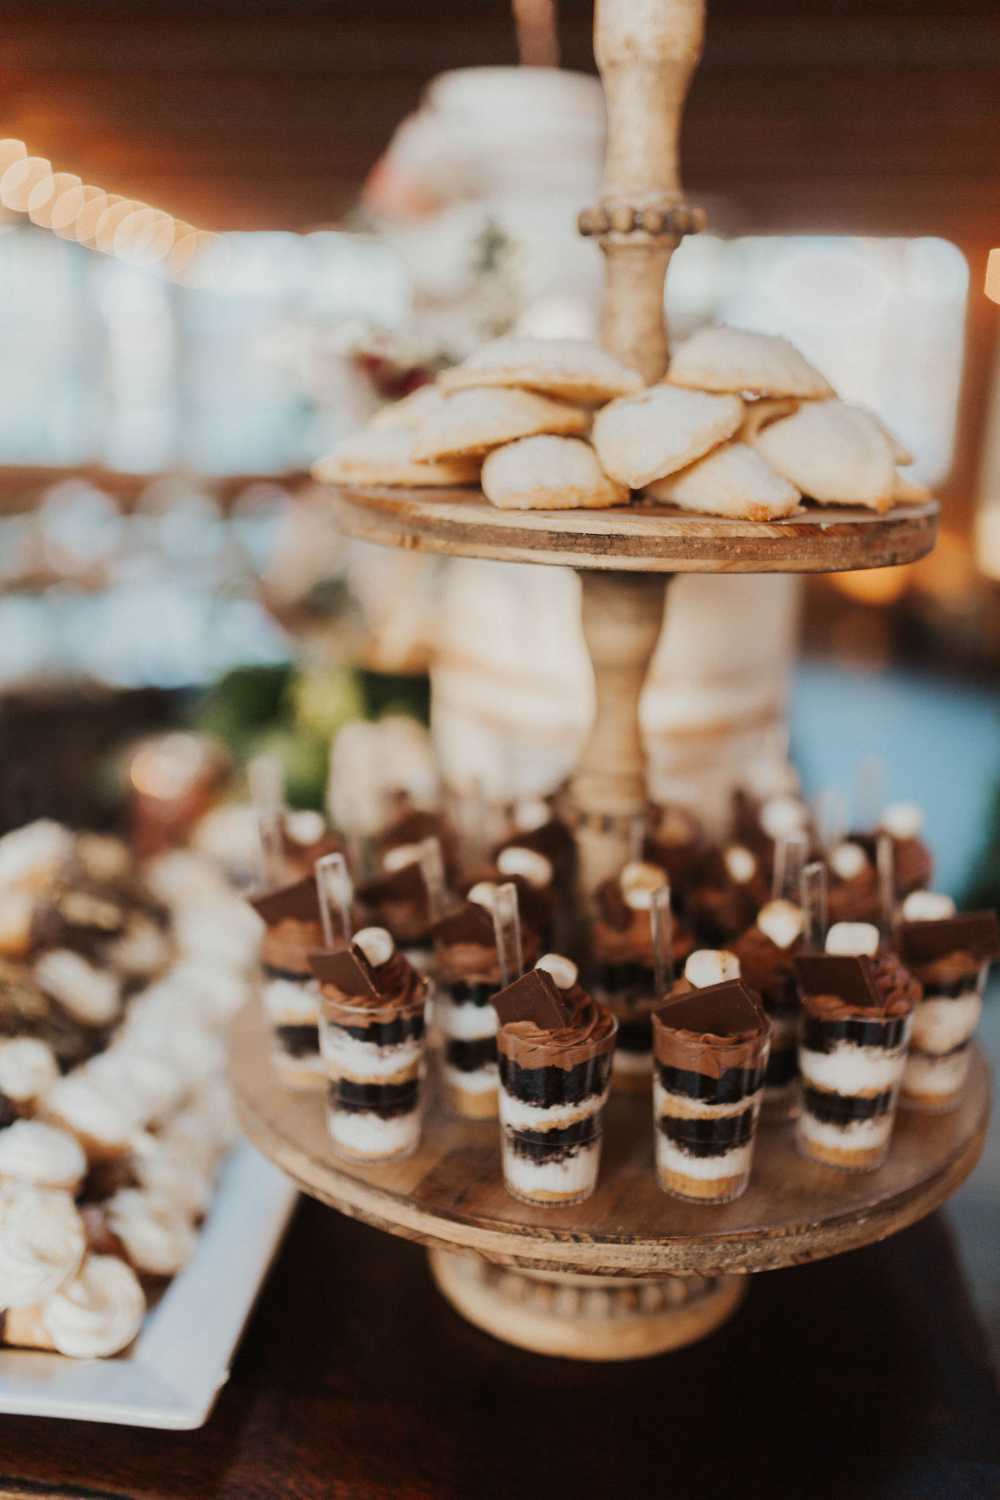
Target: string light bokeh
{"points": [[110, 223]]}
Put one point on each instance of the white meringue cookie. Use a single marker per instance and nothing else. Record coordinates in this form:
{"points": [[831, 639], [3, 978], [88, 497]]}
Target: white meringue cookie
{"points": [[78, 1103], [28, 1068], [169, 1168], [91, 995], [42, 1243], [711, 966], [99, 1312], [32, 1151], [156, 1234], [32, 855], [853, 940]]}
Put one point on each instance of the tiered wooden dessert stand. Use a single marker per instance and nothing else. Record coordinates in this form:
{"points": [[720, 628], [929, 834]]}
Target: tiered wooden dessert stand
{"points": [[630, 1272]]}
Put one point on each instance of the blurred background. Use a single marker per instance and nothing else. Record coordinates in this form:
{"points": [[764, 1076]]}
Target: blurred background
{"points": [[322, 221]]}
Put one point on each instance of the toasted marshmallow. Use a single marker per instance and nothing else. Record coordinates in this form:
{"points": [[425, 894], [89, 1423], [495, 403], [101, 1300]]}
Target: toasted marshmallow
{"points": [[711, 966], [531, 813], [928, 906], [526, 863], [305, 826], [853, 940], [782, 922], [638, 881], [483, 893], [783, 815], [741, 866], [903, 820], [848, 860], [403, 855], [563, 970], [376, 944]]}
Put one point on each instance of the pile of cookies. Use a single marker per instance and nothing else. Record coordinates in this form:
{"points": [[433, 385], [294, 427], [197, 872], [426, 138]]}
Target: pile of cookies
{"points": [[742, 425], [116, 986]]}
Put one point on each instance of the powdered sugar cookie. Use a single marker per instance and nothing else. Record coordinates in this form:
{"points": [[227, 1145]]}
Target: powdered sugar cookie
{"points": [[384, 455], [549, 473], [834, 453], [732, 481], [721, 358], [472, 422], [575, 369], [642, 438]]}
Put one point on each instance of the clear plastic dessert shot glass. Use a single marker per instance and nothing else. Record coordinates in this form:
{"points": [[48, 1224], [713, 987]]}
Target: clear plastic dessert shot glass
{"points": [[856, 1030], [711, 1049], [950, 955], [555, 1049], [373, 1005]]}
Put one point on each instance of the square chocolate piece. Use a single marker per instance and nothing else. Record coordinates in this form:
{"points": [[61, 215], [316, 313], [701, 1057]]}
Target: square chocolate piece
{"points": [[347, 970], [534, 997], [975, 932], [728, 1009], [850, 979]]}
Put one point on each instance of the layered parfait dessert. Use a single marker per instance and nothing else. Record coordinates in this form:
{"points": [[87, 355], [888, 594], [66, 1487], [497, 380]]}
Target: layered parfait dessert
{"points": [[555, 1048], [950, 955], [622, 973], [293, 928], [858, 1005], [373, 1003], [711, 1047], [468, 974], [766, 954], [730, 891]]}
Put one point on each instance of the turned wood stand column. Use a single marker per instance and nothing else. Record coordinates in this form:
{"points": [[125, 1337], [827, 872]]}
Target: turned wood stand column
{"points": [[646, 51]]}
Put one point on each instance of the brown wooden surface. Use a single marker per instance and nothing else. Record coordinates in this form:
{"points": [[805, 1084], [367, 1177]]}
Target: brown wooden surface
{"points": [[450, 1194], [860, 1378], [644, 538]]}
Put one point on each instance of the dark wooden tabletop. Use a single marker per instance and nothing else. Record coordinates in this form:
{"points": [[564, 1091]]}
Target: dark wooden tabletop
{"points": [[864, 1376]]}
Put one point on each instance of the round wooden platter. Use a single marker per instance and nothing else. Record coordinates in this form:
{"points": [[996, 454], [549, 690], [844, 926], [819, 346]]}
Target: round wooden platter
{"points": [[450, 1194], [640, 538]]}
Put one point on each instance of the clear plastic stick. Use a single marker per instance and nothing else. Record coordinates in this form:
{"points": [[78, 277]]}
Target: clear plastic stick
{"points": [[885, 859], [791, 852], [869, 792], [661, 919], [636, 837], [831, 817], [432, 869], [473, 819], [507, 930], [336, 893], [813, 902], [266, 780]]}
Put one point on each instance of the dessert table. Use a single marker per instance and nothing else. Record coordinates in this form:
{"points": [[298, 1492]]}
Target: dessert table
{"points": [[355, 1381]]}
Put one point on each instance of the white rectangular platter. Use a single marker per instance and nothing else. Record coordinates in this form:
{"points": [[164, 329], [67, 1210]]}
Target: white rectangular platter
{"points": [[172, 1374]]}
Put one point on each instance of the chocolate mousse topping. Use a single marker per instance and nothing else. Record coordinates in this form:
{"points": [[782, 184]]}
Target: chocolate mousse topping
{"points": [[976, 933], [469, 924], [349, 983], [710, 1030], [766, 966], [624, 934], [298, 902], [834, 986], [585, 1032], [535, 998]]}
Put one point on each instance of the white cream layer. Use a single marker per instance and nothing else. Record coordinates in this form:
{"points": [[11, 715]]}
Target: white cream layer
{"points": [[574, 1174], [291, 1004], [942, 1025], [346, 1054], [670, 1157], [926, 1074], [850, 1069], [523, 1116], [467, 1023], [482, 1080], [681, 1106], [365, 1134], [858, 1135]]}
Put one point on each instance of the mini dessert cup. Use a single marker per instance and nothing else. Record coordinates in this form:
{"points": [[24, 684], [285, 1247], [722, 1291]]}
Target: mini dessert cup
{"points": [[469, 973], [294, 927], [766, 953], [856, 1029], [950, 956], [711, 1048], [373, 1005], [731, 890], [555, 1050], [623, 973]]}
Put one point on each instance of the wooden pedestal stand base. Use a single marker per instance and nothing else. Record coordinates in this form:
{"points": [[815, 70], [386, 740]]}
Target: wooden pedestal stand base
{"points": [[586, 1317]]}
